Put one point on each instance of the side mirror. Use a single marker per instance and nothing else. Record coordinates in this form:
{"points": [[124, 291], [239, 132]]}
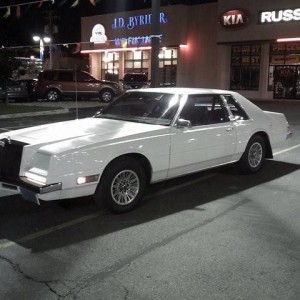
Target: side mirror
{"points": [[182, 123]]}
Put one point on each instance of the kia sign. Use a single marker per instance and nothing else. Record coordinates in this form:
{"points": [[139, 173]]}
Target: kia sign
{"points": [[233, 18], [283, 15]]}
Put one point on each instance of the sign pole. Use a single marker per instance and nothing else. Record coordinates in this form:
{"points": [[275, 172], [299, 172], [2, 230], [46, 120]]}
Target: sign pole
{"points": [[155, 37]]}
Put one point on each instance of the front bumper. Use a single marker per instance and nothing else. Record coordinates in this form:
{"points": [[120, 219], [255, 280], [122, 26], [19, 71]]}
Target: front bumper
{"points": [[28, 190]]}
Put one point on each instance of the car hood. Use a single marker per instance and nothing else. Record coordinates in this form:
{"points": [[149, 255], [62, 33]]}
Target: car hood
{"points": [[63, 136]]}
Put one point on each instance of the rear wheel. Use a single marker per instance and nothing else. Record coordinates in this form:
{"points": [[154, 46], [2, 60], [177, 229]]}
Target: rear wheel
{"points": [[53, 95], [122, 185], [254, 155], [106, 95]]}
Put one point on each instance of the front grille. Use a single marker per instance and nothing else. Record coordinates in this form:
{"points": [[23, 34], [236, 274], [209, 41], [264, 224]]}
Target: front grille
{"points": [[10, 159]]}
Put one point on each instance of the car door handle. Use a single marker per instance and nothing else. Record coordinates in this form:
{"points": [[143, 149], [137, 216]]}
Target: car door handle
{"points": [[229, 128]]}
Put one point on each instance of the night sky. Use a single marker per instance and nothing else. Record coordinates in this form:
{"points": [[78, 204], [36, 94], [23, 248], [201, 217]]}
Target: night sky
{"points": [[18, 31]]}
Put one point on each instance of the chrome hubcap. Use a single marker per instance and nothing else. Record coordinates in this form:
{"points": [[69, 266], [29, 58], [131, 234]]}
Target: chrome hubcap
{"points": [[125, 187], [255, 155], [106, 96], [52, 96]]}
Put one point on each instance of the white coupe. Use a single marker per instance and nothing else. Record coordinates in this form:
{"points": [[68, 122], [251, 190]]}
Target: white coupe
{"points": [[142, 137]]}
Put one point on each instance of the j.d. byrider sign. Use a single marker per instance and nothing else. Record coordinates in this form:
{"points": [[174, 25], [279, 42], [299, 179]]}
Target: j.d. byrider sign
{"points": [[282, 15]]}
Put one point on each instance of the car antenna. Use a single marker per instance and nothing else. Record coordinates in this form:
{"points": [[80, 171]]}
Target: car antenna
{"points": [[76, 100]]}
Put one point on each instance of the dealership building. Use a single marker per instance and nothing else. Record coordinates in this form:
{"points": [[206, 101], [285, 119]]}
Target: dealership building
{"points": [[246, 46]]}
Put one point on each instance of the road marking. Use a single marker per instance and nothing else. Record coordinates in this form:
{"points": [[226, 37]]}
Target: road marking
{"points": [[62, 226], [287, 149], [49, 230]]}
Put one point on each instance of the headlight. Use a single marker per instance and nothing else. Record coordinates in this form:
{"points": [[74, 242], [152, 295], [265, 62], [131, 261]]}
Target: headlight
{"points": [[39, 179]]}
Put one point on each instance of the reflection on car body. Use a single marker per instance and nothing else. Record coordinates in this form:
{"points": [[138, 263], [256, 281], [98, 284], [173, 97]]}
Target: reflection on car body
{"points": [[142, 137]]}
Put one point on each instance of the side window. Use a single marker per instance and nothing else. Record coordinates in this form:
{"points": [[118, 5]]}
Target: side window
{"points": [[65, 76], [83, 77], [235, 108], [204, 110]]}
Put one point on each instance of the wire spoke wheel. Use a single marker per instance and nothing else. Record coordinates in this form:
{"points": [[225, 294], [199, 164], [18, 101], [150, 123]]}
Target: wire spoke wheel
{"points": [[125, 187], [255, 155]]}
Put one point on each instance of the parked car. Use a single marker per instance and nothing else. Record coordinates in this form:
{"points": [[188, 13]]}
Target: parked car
{"points": [[55, 85], [144, 136], [16, 91], [135, 81]]}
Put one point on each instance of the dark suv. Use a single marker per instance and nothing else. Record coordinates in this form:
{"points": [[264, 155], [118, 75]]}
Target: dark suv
{"points": [[135, 81], [57, 84]]}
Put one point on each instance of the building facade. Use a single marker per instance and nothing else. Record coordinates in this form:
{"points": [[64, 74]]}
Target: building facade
{"points": [[245, 46]]}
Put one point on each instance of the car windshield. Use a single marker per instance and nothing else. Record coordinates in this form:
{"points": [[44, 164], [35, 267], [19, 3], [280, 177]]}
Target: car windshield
{"points": [[135, 77], [143, 107]]}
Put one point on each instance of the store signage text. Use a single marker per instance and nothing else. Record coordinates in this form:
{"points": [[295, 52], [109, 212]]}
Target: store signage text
{"points": [[275, 16], [233, 18], [136, 21], [135, 41]]}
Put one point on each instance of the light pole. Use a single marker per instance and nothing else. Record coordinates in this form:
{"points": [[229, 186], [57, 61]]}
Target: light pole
{"points": [[43, 40]]}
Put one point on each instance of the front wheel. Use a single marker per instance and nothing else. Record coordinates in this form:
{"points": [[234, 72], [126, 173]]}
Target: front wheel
{"points": [[122, 185], [254, 155], [106, 95]]}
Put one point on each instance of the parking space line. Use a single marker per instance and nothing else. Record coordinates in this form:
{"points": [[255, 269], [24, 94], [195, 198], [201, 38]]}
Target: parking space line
{"points": [[49, 230], [66, 225], [287, 149]]}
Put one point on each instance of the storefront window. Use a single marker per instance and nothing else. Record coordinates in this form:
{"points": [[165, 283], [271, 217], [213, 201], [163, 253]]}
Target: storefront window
{"points": [[137, 61], [168, 66], [110, 66], [245, 67], [282, 55]]}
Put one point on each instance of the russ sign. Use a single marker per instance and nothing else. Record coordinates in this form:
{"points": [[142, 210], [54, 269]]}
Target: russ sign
{"points": [[233, 18], [284, 15]]}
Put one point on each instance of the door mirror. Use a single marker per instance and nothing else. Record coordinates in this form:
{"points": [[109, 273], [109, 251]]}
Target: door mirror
{"points": [[182, 123]]}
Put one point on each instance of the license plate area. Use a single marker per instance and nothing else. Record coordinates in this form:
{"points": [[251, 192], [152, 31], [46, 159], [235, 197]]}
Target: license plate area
{"points": [[29, 196]]}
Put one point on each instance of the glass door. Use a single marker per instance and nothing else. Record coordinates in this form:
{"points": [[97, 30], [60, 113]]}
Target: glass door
{"points": [[286, 79]]}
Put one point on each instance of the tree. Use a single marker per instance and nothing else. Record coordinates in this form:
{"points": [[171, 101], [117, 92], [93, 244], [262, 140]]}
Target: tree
{"points": [[8, 64]]}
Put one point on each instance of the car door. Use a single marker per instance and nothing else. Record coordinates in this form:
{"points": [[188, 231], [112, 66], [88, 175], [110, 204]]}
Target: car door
{"points": [[87, 86], [209, 141]]}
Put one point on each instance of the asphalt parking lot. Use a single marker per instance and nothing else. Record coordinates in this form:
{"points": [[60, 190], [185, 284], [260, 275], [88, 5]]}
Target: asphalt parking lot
{"points": [[212, 235]]}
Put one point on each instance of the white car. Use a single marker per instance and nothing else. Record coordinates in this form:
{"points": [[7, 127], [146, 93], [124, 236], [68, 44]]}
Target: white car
{"points": [[142, 137]]}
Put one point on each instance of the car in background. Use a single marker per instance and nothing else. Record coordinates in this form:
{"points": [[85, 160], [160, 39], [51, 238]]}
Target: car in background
{"points": [[14, 90], [54, 85], [135, 81], [144, 136]]}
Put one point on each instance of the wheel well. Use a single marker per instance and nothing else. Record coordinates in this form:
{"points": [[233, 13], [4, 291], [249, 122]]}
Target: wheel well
{"points": [[106, 89], [269, 152], [138, 157]]}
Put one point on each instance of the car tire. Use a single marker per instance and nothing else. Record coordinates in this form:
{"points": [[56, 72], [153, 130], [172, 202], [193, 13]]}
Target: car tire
{"points": [[106, 95], [53, 95], [254, 155], [122, 185]]}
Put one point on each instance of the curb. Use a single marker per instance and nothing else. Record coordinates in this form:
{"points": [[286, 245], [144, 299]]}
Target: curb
{"points": [[38, 113]]}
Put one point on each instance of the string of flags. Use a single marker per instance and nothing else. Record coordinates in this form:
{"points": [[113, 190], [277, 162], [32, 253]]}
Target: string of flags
{"points": [[17, 7]]}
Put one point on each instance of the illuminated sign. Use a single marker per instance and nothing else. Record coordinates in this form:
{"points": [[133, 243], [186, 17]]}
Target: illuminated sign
{"points": [[283, 15], [136, 21], [98, 34], [134, 41], [233, 18]]}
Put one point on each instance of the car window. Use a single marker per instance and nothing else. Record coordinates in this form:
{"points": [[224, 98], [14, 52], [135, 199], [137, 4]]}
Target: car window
{"points": [[152, 108], [65, 76], [204, 110], [46, 75], [84, 77], [135, 77], [235, 108]]}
